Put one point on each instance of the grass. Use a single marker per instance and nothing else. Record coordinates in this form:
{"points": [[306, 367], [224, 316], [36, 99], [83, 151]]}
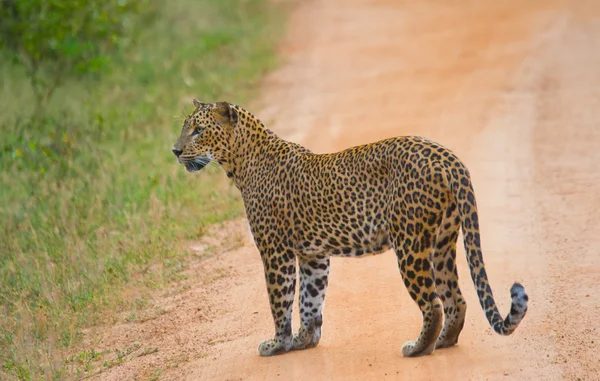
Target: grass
{"points": [[90, 194]]}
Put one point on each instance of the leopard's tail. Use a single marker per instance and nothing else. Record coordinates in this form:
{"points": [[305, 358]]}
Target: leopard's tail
{"points": [[462, 190]]}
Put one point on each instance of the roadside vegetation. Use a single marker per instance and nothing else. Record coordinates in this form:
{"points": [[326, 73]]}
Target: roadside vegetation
{"points": [[92, 96]]}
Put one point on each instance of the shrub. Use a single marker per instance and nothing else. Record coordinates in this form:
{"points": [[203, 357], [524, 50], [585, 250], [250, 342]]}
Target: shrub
{"points": [[54, 39]]}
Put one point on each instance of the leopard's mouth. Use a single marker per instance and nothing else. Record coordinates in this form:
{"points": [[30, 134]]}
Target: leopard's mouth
{"points": [[196, 164]]}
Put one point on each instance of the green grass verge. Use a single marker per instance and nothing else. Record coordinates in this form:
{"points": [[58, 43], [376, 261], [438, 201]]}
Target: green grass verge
{"points": [[91, 194]]}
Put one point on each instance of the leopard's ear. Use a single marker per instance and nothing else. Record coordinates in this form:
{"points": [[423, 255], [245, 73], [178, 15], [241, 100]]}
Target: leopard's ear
{"points": [[226, 113], [197, 103]]}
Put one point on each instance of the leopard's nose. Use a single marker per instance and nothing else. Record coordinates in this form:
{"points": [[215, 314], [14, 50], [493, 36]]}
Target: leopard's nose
{"points": [[177, 152]]}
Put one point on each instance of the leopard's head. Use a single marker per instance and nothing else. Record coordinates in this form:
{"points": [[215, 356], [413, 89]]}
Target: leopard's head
{"points": [[207, 135]]}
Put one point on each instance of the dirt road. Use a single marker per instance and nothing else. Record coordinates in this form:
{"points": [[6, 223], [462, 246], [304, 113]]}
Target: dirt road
{"points": [[513, 88]]}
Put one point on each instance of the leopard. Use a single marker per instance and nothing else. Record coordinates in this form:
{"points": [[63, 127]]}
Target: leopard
{"points": [[406, 193]]}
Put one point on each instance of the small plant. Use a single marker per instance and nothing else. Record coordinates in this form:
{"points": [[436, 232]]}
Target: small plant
{"points": [[54, 39], [155, 375]]}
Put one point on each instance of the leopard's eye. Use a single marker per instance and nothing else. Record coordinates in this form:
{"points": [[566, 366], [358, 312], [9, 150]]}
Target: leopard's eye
{"points": [[196, 132]]}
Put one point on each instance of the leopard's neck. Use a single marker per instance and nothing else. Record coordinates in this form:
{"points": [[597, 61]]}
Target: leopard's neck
{"points": [[256, 149]]}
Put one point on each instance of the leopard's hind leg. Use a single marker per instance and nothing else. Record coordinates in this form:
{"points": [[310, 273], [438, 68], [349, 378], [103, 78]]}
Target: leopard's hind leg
{"points": [[446, 278], [414, 250]]}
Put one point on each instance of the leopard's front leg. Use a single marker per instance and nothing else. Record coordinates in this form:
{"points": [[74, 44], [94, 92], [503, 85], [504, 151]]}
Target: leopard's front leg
{"points": [[280, 275], [314, 277]]}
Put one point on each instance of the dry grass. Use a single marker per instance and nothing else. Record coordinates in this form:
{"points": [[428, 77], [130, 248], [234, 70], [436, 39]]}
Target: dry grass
{"points": [[91, 200]]}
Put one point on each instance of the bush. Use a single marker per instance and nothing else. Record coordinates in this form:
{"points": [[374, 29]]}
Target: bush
{"points": [[53, 39]]}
